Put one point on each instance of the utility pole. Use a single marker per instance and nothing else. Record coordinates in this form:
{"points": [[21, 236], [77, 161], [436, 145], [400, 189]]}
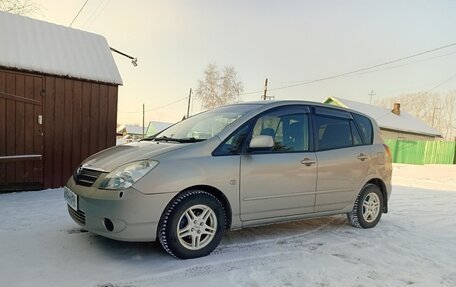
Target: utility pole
{"points": [[144, 114], [189, 101], [371, 94], [265, 89]]}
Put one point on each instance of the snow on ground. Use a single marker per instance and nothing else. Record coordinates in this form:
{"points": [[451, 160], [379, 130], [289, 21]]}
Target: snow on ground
{"points": [[414, 244]]}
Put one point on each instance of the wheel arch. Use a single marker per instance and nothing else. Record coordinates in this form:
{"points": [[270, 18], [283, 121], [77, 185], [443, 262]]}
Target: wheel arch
{"points": [[215, 192], [382, 186]]}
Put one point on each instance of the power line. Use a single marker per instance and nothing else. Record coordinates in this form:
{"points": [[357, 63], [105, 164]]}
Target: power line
{"points": [[367, 68], [96, 13], [356, 71], [167, 105], [79, 12], [157, 108], [428, 91], [439, 84], [395, 66]]}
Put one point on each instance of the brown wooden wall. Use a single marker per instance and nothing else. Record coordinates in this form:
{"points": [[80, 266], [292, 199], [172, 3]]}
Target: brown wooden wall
{"points": [[79, 119]]}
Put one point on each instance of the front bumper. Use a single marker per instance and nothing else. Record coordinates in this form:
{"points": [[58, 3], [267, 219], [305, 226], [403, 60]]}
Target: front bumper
{"points": [[134, 215]]}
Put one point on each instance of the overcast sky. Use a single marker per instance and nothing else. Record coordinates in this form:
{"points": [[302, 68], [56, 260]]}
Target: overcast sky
{"points": [[286, 41]]}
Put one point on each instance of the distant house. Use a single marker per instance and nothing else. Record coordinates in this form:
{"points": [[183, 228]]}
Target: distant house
{"points": [[155, 127], [132, 132], [58, 101], [394, 123], [128, 133]]}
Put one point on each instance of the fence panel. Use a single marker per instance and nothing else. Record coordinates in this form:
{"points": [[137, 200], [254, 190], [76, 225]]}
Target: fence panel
{"points": [[422, 152]]}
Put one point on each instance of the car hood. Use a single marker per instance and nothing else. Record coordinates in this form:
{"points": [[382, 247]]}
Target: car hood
{"points": [[114, 157]]}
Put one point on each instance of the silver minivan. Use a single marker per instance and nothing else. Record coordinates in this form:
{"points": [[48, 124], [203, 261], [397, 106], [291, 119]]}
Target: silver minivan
{"points": [[235, 166]]}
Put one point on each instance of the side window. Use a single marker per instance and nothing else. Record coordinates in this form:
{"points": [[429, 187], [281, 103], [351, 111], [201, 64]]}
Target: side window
{"points": [[366, 127], [333, 133], [232, 145], [290, 132], [355, 134]]}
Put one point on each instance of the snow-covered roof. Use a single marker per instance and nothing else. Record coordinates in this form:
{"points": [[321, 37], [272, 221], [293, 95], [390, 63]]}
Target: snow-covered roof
{"points": [[34, 45], [155, 127], [131, 129], [386, 119]]}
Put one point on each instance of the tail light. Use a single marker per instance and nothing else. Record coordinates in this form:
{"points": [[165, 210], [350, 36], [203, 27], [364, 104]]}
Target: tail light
{"points": [[388, 151]]}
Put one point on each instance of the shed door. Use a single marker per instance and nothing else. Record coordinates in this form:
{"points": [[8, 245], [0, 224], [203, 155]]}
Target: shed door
{"points": [[21, 131]]}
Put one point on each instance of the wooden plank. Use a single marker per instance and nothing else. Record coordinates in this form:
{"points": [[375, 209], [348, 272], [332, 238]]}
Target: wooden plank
{"points": [[103, 117], [49, 126], [59, 105], [20, 127], [3, 136], [67, 131], [38, 130], [94, 106], [28, 127], [17, 158], [16, 98], [10, 173], [77, 125], [86, 120], [112, 116]]}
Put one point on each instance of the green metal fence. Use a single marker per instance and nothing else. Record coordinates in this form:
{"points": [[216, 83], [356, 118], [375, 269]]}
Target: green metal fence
{"points": [[422, 152]]}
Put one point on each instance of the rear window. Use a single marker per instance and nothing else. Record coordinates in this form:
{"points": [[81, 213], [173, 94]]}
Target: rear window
{"points": [[366, 127]]}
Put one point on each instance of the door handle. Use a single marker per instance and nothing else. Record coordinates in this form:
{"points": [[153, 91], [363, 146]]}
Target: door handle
{"points": [[362, 157], [308, 162]]}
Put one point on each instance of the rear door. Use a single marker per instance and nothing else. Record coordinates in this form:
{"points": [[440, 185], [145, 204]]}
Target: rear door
{"points": [[343, 158], [281, 181], [21, 134]]}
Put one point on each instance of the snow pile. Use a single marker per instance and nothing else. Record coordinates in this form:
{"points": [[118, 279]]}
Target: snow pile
{"points": [[414, 244], [435, 176]]}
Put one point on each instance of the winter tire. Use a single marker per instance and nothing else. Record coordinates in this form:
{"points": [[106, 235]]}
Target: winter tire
{"points": [[192, 225], [368, 207]]}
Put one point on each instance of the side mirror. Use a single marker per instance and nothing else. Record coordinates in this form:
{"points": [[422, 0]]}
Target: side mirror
{"points": [[261, 142]]}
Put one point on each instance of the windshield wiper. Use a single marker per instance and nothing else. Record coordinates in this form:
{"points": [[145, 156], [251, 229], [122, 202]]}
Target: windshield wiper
{"points": [[182, 140], [191, 140], [166, 139]]}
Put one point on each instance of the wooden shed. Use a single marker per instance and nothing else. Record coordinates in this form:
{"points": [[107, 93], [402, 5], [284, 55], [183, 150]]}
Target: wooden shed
{"points": [[58, 101]]}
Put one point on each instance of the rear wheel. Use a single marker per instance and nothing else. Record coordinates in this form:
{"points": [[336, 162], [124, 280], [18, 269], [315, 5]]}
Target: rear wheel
{"points": [[368, 207], [192, 225]]}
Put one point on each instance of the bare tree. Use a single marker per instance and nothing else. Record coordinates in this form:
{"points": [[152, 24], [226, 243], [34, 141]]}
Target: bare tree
{"points": [[21, 7], [218, 87], [450, 111], [438, 111]]}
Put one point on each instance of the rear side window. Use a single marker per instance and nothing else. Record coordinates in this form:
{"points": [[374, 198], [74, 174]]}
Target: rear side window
{"points": [[365, 126], [334, 133]]}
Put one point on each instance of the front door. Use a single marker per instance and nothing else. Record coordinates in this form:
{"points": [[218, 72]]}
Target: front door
{"points": [[21, 133], [280, 181]]}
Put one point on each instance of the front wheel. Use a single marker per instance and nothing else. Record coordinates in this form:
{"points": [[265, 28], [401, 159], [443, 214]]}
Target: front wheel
{"points": [[192, 225], [368, 207]]}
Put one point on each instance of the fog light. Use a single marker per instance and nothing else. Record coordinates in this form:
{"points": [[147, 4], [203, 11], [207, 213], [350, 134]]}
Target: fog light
{"points": [[108, 224]]}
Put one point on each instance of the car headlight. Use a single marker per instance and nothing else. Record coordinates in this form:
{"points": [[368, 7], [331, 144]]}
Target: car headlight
{"points": [[126, 175]]}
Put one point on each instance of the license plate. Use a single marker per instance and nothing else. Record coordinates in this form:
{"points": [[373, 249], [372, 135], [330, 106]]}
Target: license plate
{"points": [[71, 198]]}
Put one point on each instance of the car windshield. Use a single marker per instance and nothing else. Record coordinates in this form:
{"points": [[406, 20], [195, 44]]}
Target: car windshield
{"points": [[204, 125]]}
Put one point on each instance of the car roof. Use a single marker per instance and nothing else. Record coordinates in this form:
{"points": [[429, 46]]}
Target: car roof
{"points": [[278, 103]]}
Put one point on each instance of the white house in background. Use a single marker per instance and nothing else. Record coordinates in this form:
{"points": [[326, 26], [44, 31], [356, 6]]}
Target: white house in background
{"points": [[394, 123], [156, 126], [132, 132]]}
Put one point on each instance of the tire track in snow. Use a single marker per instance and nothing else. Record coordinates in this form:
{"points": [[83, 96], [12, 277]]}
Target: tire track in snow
{"points": [[285, 248]]}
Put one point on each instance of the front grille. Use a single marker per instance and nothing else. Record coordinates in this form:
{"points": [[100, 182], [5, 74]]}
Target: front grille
{"points": [[77, 215], [86, 176]]}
